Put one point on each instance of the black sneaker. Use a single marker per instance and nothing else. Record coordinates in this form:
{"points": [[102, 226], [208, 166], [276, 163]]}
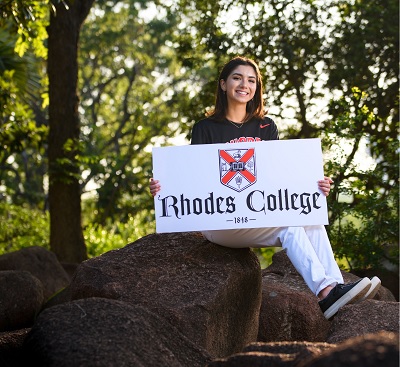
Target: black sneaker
{"points": [[343, 294]]}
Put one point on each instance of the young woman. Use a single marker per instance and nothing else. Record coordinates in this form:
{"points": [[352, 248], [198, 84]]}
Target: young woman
{"points": [[239, 116]]}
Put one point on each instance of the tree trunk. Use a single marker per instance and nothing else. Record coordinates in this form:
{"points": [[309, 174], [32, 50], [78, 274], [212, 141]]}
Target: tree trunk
{"points": [[66, 236]]}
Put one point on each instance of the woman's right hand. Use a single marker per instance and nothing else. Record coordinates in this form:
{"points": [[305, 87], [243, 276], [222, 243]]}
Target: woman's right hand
{"points": [[154, 187]]}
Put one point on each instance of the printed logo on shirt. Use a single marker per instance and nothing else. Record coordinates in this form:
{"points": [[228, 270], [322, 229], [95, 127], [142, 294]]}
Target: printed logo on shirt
{"points": [[263, 126], [244, 139], [237, 168]]}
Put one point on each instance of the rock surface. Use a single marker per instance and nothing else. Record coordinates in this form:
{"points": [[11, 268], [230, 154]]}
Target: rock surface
{"points": [[289, 310], [10, 347], [179, 300], [212, 294], [103, 332], [366, 317], [39, 262], [370, 350], [278, 354], [21, 298]]}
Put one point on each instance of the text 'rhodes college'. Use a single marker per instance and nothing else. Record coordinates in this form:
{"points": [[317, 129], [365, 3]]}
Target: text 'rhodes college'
{"points": [[256, 201]]}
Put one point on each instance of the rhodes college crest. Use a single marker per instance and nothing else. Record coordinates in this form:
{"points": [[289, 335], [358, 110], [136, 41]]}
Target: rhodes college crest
{"points": [[237, 168]]}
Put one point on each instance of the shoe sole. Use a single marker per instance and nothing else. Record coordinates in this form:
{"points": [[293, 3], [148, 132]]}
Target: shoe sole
{"points": [[352, 296], [375, 285]]}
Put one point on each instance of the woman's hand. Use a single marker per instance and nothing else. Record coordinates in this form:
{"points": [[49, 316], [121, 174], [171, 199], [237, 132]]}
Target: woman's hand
{"points": [[154, 187], [325, 185]]}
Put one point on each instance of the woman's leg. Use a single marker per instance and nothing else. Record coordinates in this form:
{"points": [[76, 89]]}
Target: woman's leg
{"points": [[322, 247], [309, 250], [246, 237], [308, 258], [311, 254]]}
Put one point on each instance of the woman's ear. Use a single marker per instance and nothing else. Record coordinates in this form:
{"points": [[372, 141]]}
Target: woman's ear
{"points": [[222, 84]]}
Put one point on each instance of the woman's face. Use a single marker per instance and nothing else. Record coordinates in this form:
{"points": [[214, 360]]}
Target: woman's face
{"points": [[241, 85]]}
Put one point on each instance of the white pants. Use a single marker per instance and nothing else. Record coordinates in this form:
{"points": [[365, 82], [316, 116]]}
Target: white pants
{"points": [[308, 248]]}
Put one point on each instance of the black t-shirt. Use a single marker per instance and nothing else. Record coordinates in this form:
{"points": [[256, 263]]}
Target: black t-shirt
{"points": [[209, 131]]}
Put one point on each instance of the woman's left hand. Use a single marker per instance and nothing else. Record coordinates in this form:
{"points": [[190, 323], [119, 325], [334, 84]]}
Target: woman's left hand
{"points": [[325, 185]]}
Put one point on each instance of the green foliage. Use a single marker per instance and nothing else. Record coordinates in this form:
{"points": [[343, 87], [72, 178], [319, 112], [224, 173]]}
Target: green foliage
{"points": [[135, 94], [265, 255], [367, 237], [114, 235], [21, 227], [28, 20], [364, 202], [18, 83], [23, 130], [145, 77], [307, 54], [369, 53]]}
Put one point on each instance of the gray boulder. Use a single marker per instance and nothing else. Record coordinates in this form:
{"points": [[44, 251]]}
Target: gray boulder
{"points": [[212, 294], [41, 263], [179, 300], [10, 347], [21, 298], [366, 317], [290, 311], [279, 354], [370, 350], [108, 333]]}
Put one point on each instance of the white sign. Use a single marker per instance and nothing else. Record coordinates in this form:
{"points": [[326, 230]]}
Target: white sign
{"points": [[239, 185]]}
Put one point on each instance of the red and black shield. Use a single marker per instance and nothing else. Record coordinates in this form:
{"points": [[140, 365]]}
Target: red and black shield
{"points": [[237, 168]]}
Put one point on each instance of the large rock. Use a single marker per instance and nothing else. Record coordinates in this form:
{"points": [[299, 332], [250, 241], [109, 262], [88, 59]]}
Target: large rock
{"points": [[371, 350], [210, 293], [362, 318], [21, 298], [108, 333], [290, 311], [41, 263], [279, 354], [10, 347]]}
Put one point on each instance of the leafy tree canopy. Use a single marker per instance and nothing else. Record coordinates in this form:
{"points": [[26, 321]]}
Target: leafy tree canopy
{"points": [[148, 71]]}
